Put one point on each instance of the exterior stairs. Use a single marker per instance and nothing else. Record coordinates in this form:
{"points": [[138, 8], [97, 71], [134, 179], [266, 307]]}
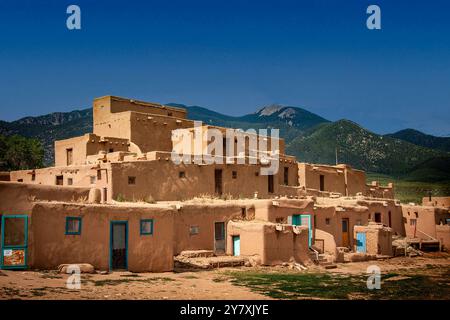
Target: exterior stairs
{"points": [[321, 259]]}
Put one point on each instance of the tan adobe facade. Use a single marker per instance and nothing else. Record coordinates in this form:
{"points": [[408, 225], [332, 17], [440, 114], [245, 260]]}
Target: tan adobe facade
{"points": [[116, 199]]}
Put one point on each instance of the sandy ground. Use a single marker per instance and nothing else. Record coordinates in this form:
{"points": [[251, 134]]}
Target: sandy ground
{"points": [[212, 284]]}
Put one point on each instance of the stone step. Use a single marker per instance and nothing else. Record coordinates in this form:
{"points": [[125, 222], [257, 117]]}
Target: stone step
{"points": [[197, 254]]}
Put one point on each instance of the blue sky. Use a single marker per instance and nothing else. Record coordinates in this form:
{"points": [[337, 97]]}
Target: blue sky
{"points": [[233, 57]]}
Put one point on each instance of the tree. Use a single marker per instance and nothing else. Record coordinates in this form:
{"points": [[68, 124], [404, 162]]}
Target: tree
{"points": [[20, 153]]}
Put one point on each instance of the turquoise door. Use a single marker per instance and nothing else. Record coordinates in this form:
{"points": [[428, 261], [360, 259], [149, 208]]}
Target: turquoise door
{"points": [[236, 245], [303, 220], [14, 242], [361, 242]]}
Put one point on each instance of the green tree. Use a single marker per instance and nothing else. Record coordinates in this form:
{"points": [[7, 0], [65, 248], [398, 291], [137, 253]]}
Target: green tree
{"points": [[19, 153]]}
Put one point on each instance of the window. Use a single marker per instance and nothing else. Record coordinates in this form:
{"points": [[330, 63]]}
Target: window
{"points": [[146, 226], [234, 174], [169, 114], [182, 174], [257, 174], [99, 174], [33, 177], [412, 222], [286, 176], [59, 180], [70, 181], [131, 180], [73, 225], [69, 156], [327, 221], [378, 217], [111, 150], [243, 213], [322, 182], [270, 183], [20, 180], [92, 179], [193, 230]]}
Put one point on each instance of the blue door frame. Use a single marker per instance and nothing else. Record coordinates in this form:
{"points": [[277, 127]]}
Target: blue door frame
{"points": [[23, 247], [112, 223], [236, 245], [361, 242], [297, 221]]}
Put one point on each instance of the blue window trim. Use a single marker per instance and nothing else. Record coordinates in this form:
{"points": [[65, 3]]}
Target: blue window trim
{"points": [[141, 229], [23, 247], [67, 226]]}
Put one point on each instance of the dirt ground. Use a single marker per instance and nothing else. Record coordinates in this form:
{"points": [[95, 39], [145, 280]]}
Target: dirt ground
{"points": [[210, 284]]}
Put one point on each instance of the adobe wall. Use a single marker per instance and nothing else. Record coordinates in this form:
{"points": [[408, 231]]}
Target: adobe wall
{"points": [[51, 246], [5, 176], [18, 198], [384, 207], [425, 221], [87, 145], [79, 150], [355, 181], [204, 216], [161, 180], [278, 210], [80, 175], [271, 245], [443, 235], [378, 238], [375, 190], [334, 178], [436, 201]]}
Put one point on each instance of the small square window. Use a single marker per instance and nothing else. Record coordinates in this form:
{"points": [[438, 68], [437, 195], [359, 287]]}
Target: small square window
{"points": [[111, 150], [146, 226], [193, 230], [327, 221], [182, 174], [234, 174], [69, 181], [73, 225], [92, 179], [131, 180]]}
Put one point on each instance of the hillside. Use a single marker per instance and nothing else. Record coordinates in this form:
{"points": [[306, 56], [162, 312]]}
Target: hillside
{"points": [[422, 139], [360, 148]]}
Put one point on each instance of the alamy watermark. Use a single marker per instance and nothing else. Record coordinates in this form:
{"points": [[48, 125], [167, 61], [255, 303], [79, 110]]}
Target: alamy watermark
{"points": [[374, 278], [207, 145]]}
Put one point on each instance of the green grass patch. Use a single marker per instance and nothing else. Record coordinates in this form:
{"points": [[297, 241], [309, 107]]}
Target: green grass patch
{"points": [[411, 191], [114, 282], [335, 286]]}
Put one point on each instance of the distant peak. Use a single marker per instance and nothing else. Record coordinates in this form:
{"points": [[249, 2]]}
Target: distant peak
{"points": [[269, 110]]}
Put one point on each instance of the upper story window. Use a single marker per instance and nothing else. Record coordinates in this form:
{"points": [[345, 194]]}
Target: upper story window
{"points": [[131, 180], [146, 227], [69, 156], [73, 225]]}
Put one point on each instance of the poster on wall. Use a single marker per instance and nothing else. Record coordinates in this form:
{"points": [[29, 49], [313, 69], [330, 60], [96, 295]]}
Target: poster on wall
{"points": [[13, 257]]}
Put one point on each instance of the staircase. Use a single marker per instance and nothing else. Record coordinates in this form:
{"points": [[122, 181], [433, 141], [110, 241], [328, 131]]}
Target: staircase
{"points": [[428, 244], [321, 259]]}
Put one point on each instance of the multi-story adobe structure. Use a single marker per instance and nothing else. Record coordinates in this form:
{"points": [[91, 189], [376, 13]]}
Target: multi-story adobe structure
{"points": [[115, 199]]}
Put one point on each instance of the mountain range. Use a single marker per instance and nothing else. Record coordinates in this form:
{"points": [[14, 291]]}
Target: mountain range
{"points": [[308, 136]]}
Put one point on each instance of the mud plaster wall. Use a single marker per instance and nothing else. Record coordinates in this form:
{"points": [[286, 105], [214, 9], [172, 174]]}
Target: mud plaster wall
{"points": [[436, 201], [378, 239], [425, 221], [161, 180], [51, 246], [443, 235], [80, 175], [204, 216], [384, 208], [271, 245], [334, 179]]}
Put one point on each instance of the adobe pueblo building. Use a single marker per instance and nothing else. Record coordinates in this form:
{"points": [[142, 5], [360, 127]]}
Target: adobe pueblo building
{"points": [[116, 199]]}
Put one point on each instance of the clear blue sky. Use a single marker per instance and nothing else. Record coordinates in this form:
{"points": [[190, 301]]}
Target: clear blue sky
{"points": [[233, 57]]}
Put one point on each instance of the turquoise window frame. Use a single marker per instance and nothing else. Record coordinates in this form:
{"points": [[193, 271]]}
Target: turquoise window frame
{"points": [[14, 247], [141, 229], [71, 233]]}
